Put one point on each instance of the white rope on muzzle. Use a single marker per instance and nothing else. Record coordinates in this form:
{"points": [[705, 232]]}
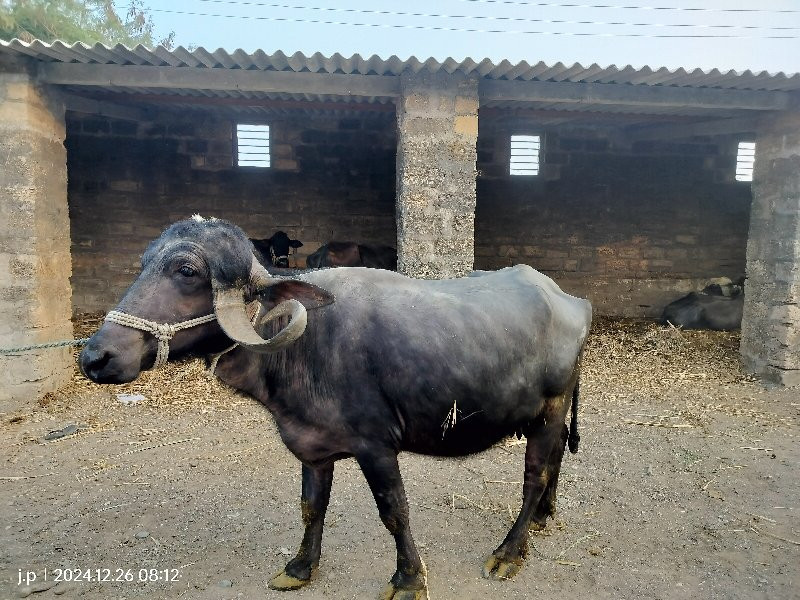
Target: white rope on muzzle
{"points": [[163, 332]]}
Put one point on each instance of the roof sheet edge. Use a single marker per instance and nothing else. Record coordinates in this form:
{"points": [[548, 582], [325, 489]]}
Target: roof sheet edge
{"points": [[201, 58]]}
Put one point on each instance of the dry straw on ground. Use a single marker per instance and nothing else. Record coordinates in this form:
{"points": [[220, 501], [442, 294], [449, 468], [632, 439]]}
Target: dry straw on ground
{"points": [[629, 361], [176, 386]]}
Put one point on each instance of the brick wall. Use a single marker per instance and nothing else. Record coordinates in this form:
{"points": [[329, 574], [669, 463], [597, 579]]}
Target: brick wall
{"points": [[630, 225], [331, 178]]}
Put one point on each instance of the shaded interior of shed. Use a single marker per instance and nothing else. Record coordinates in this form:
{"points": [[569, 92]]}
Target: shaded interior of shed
{"points": [[332, 177], [630, 222]]}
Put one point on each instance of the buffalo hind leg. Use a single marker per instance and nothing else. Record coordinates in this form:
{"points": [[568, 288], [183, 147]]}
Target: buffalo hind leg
{"points": [[569, 437], [547, 505], [543, 439], [382, 473], [314, 499]]}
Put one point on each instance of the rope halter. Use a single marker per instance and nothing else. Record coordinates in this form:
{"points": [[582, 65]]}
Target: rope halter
{"points": [[163, 332]]}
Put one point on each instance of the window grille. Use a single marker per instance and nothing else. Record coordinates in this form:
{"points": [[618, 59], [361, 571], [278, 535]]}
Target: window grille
{"points": [[252, 145], [745, 157], [524, 155]]}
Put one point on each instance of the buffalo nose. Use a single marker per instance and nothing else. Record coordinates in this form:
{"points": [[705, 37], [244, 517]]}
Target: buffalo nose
{"points": [[93, 361], [282, 262]]}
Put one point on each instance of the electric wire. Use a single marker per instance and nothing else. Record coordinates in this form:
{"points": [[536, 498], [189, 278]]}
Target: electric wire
{"points": [[463, 29], [392, 13], [636, 7]]}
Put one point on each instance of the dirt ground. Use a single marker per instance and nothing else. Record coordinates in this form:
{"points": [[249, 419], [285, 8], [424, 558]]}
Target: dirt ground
{"points": [[686, 486]]}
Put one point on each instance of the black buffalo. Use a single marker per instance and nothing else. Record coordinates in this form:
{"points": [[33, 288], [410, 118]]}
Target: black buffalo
{"points": [[274, 251], [350, 254], [365, 363], [718, 306]]}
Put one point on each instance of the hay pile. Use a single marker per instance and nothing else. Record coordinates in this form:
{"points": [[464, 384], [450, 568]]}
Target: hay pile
{"points": [[629, 364], [177, 386], [643, 353]]}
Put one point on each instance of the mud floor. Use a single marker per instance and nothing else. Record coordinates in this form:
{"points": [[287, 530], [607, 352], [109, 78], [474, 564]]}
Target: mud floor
{"points": [[685, 486]]}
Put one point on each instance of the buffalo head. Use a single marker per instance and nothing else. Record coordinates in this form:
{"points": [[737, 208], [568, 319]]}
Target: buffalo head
{"points": [[196, 268]]}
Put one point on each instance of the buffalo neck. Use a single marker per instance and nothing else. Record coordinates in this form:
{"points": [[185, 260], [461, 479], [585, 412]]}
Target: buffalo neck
{"points": [[269, 378]]}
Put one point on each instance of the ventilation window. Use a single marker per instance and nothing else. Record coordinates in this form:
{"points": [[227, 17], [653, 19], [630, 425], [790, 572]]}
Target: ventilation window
{"points": [[524, 155], [252, 145], [745, 157]]}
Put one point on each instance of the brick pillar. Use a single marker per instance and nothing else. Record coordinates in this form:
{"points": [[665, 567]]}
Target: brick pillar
{"points": [[437, 118], [771, 325], [35, 262]]}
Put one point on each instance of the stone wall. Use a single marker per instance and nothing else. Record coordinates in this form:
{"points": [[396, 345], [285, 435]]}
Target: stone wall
{"points": [[771, 325], [332, 178], [437, 121], [34, 239], [630, 225]]}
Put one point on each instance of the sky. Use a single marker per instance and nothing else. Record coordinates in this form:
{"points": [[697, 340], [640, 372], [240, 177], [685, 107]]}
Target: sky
{"points": [[724, 34]]}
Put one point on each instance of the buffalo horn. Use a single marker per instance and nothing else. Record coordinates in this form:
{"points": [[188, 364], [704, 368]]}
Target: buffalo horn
{"points": [[260, 277], [229, 305]]}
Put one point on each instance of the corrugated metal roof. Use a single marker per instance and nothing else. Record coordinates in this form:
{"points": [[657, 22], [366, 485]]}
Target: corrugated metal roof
{"points": [[393, 66]]}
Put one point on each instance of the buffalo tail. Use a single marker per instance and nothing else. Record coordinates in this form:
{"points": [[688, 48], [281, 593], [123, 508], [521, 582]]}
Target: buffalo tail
{"points": [[574, 437]]}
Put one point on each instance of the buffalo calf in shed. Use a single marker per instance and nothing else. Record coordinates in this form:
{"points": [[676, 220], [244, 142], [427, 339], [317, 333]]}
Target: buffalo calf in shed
{"points": [[350, 254], [718, 306], [274, 251]]}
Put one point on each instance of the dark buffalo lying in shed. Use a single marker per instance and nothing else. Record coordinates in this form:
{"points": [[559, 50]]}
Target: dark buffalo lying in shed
{"points": [[718, 306], [274, 251], [350, 254], [364, 363]]}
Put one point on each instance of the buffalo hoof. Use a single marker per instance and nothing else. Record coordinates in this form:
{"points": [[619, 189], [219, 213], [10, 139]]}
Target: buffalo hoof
{"points": [[285, 582], [393, 593], [407, 587], [538, 524], [500, 569]]}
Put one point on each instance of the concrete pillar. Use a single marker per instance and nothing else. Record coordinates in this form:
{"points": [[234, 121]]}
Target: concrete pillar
{"points": [[771, 325], [437, 119], [35, 263]]}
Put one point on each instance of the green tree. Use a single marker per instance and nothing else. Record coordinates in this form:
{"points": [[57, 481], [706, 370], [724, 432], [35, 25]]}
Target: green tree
{"points": [[88, 21]]}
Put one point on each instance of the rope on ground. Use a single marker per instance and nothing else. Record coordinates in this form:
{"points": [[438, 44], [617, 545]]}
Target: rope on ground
{"points": [[61, 344]]}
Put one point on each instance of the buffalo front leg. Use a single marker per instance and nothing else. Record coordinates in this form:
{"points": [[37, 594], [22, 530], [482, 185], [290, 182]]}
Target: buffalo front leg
{"points": [[382, 472], [542, 442], [314, 499]]}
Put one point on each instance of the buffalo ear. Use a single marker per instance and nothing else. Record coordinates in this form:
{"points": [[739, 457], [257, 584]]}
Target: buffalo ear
{"points": [[308, 294], [295, 243]]}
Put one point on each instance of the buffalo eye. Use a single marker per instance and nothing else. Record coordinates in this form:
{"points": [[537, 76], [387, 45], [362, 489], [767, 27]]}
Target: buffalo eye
{"points": [[186, 271]]}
